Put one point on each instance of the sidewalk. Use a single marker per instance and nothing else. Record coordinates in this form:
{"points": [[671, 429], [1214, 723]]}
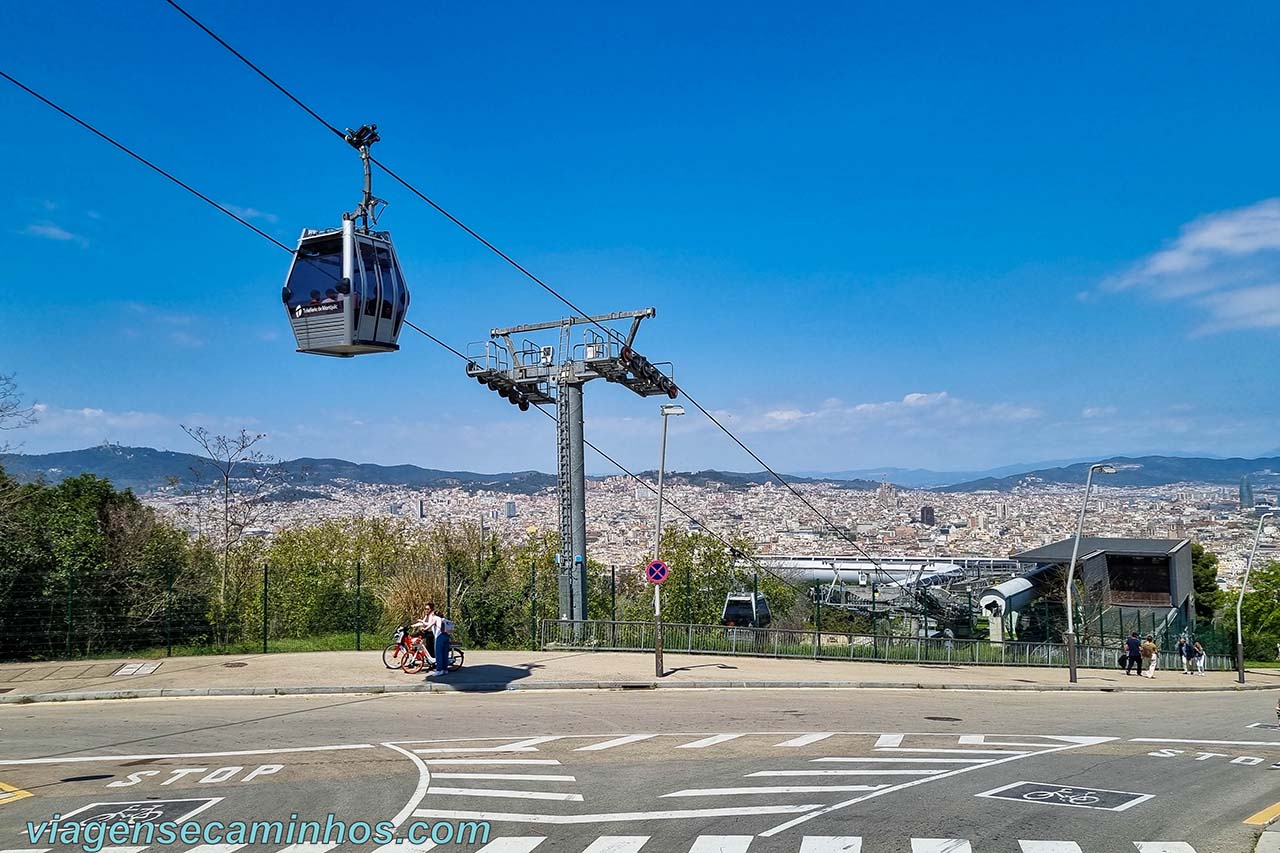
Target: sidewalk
{"points": [[363, 672]]}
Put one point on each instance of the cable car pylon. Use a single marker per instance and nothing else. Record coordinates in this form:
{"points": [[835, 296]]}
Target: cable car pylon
{"points": [[531, 373], [345, 293]]}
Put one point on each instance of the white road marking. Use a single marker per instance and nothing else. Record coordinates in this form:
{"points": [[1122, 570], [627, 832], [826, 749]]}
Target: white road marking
{"points": [[610, 744], [708, 741], [783, 789], [511, 845], [28, 850], [617, 844], [503, 792], [1209, 742], [805, 740], [889, 740], [1072, 743], [292, 848], [526, 745], [1050, 847], [419, 791], [909, 760], [108, 758], [510, 777], [402, 847], [721, 844], [981, 740], [843, 773], [611, 817], [952, 751], [215, 848], [454, 762], [940, 845], [1163, 847], [831, 844]]}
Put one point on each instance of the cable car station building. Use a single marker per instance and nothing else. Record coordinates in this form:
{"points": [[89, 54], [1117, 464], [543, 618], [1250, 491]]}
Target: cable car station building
{"points": [[1128, 584]]}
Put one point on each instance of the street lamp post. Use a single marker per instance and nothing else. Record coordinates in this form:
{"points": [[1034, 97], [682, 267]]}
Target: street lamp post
{"points": [[1071, 570], [668, 410], [1244, 584]]}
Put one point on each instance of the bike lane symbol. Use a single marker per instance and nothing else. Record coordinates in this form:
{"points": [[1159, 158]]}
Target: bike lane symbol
{"points": [[1071, 796]]}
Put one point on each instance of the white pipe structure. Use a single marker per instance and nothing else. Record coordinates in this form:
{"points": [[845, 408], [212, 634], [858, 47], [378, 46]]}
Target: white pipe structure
{"points": [[1103, 468], [1244, 584], [667, 410]]}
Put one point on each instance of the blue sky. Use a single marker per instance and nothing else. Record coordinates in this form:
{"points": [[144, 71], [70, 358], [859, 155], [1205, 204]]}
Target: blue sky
{"points": [[876, 234]]}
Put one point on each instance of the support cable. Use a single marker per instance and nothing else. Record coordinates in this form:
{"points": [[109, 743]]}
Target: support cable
{"points": [[613, 334]]}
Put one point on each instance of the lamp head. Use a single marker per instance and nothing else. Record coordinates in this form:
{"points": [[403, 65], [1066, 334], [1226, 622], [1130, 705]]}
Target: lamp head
{"points": [[671, 409]]}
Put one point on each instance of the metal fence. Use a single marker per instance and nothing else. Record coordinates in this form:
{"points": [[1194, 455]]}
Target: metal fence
{"points": [[602, 635]]}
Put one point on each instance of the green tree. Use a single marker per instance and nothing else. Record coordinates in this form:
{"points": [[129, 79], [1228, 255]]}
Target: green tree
{"points": [[1204, 568]]}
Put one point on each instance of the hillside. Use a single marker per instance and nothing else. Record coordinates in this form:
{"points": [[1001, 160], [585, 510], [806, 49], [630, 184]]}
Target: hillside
{"points": [[1152, 471]]}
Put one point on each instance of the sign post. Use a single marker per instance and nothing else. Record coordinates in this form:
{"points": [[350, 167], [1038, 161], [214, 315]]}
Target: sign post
{"points": [[656, 573]]}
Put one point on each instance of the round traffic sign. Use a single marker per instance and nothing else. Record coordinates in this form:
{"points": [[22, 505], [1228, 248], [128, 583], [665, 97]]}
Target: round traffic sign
{"points": [[656, 571]]}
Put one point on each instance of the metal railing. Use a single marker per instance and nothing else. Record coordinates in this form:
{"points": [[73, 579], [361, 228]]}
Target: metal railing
{"points": [[602, 635]]}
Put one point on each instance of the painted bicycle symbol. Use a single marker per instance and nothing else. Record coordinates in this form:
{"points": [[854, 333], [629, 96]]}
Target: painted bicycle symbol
{"points": [[136, 813], [1071, 796]]}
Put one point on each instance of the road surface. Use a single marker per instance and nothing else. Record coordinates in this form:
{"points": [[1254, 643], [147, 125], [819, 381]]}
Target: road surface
{"points": [[722, 771]]}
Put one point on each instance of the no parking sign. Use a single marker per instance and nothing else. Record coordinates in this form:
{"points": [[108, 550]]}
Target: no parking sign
{"points": [[656, 571]]}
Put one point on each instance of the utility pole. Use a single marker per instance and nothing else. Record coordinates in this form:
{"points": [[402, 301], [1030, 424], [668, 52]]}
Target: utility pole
{"points": [[532, 374]]}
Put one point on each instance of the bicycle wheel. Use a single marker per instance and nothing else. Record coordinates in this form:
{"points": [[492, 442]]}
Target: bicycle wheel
{"points": [[391, 656], [414, 661], [455, 659]]}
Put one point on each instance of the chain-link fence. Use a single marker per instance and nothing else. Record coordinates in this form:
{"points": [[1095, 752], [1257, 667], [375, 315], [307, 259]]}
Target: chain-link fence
{"points": [[767, 642]]}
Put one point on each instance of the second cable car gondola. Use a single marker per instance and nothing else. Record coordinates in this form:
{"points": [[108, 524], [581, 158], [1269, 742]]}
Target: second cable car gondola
{"points": [[345, 293]]}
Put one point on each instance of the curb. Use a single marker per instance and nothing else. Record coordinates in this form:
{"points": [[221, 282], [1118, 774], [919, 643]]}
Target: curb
{"points": [[503, 687], [1269, 842]]}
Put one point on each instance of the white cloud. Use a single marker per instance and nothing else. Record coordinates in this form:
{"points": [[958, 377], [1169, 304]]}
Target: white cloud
{"points": [[917, 411], [51, 231], [1225, 265], [252, 213], [1091, 412]]}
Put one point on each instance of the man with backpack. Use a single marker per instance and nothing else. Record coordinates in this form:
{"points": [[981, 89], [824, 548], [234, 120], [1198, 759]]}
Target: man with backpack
{"points": [[1133, 646]]}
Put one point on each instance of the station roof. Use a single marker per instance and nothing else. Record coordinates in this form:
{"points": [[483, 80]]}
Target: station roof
{"points": [[1060, 552]]}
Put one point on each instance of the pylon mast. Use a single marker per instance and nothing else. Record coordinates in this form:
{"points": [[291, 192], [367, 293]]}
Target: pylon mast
{"points": [[538, 374]]}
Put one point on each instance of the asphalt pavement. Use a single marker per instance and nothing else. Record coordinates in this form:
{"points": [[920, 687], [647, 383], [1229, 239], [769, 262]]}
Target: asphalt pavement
{"points": [[728, 770]]}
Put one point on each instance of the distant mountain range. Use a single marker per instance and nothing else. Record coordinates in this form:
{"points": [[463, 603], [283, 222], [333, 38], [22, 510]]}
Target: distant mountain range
{"points": [[144, 469], [1149, 471]]}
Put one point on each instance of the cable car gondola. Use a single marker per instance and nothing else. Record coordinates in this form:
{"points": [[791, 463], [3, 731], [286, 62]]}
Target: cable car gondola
{"points": [[345, 293], [746, 610]]}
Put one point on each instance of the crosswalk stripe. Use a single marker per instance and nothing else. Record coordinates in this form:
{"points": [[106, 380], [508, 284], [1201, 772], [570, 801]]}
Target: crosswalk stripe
{"points": [[908, 760], [610, 744], [612, 817], [780, 789], [617, 844], [1163, 847], [28, 850], [509, 777], [708, 741], [889, 740], [721, 844], [940, 845], [831, 844], [456, 762], [951, 751], [507, 794], [512, 845], [805, 740], [404, 847], [292, 848], [843, 773], [215, 848], [1050, 847], [138, 849]]}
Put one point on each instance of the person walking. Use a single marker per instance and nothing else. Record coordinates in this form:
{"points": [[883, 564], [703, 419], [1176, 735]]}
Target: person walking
{"points": [[1150, 656], [1133, 646], [1202, 657], [1188, 657]]}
